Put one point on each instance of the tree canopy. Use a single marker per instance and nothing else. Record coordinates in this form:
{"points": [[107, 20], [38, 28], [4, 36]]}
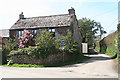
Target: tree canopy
{"points": [[90, 30]]}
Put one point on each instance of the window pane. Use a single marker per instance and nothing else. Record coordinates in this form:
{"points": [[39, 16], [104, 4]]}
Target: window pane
{"points": [[49, 30], [35, 31], [53, 30], [19, 33], [22, 33]]}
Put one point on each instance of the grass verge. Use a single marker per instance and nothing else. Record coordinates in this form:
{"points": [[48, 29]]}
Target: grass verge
{"points": [[111, 51], [79, 59], [97, 48]]}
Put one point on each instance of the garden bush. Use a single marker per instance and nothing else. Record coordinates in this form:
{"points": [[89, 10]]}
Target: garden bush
{"points": [[46, 44], [36, 52], [24, 51], [45, 39], [70, 44], [26, 40], [7, 46]]}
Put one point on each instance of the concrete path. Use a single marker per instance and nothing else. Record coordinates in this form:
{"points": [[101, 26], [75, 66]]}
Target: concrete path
{"points": [[98, 66]]}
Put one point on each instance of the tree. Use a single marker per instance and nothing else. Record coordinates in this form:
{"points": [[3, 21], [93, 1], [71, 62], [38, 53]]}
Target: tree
{"points": [[101, 30], [89, 29]]}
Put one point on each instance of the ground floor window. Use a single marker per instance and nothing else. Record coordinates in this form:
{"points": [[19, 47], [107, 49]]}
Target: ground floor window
{"points": [[20, 33], [52, 31]]}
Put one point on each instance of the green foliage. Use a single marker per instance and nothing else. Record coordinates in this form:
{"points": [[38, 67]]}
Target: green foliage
{"points": [[10, 62], [111, 51], [70, 45], [46, 45], [89, 29], [119, 43], [45, 39], [10, 45], [23, 65], [107, 45], [24, 51], [103, 46], [36, 52], [42, 51], [97, 48]]}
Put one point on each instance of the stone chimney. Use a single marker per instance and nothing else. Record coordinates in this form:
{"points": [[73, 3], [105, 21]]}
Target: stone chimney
{"points": [[21, 16], [71, 11]]}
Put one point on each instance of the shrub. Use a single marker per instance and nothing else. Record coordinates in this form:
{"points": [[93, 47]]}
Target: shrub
{"points": [[42, 51], [36, 52], [9, 46], [25, 40], [24, 51], [45, 39], [46, 44], [70, 44]]}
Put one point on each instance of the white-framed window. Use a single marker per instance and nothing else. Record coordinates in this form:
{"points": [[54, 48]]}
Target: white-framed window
{"points": [[20, 33], [51, 30], [35, 31]]}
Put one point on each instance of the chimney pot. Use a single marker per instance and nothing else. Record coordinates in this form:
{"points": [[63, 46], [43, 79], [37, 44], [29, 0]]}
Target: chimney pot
{"points": [[71, 11], [21, 16]]}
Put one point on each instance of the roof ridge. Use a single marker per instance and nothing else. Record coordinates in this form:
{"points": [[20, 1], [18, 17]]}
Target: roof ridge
{"points": [[46, 16], [3, 29]]}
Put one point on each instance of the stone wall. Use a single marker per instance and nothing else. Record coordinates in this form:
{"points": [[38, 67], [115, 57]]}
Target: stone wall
{"points": [[12, 33], [76, 33], [110, 40], [51, 59], [61, 31], [108, 44]]}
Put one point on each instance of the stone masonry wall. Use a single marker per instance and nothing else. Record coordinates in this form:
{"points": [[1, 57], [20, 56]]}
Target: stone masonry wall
{"points": [[51, 59], [76, 32], [61, 31]]}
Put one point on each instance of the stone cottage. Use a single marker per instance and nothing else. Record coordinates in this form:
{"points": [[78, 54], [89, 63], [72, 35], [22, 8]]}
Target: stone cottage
{"points": [[58, 24]]}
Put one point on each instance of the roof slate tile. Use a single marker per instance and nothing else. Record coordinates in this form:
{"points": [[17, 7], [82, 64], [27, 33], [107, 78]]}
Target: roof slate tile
{"points": [[43, 21]]}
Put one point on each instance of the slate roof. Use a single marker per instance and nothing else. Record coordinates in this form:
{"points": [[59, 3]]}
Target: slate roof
{"points": [[44, 21], [4, 33]]}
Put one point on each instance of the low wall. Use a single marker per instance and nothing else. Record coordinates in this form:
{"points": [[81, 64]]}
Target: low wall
{"points": [[51, 59]]}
